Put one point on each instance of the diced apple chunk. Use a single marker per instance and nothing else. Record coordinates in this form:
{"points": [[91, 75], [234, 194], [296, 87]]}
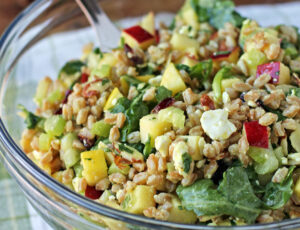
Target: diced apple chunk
{"points": [[173, 115], [112, 99], [148, 23], [257, 135], [136, 36], [141, 198], [227, 83], [172, 79], [189, 61], [280, 74], [178, 214], [94, 166], [151, 126], [182, 42], [230, 56]]}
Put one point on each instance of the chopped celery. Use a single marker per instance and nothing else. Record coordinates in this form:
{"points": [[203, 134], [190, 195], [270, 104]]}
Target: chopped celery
{"points": [[67, 141], [70, 157], [269, 166], [55, 125], [101, 129], [42, 90], [103, 71], [78, 169], [123, 168], [259, 155], [44, 142], [56, 96]]}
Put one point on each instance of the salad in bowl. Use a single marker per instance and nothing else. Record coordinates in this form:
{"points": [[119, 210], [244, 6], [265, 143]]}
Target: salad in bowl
{"points": [[196, 122]]}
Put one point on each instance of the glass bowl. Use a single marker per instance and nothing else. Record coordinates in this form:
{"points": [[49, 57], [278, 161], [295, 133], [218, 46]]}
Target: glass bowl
{"points": [[24, 59]]}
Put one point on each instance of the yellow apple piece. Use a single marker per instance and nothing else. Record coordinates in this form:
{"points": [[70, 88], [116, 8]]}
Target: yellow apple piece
{"points": [[172, 79]]}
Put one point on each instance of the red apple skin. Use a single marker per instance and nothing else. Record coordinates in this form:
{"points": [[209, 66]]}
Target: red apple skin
{"points": [[138, 33], [257, 135], [273, 69]]}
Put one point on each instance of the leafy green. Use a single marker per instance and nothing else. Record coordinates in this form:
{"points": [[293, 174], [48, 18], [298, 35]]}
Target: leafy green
{"points": [[146, 70], [184, 67], [294, 92], [173, 24], [122, 105], [277, 194], [123, 147], [202, 70], [71, 67], [134, 113], [138, 146], [98, 52], [281, 117], [148, 148], [162, 93], [289, 48], [217, 12], [31, 120], [234, 196], [187, 160], [131, 80]]}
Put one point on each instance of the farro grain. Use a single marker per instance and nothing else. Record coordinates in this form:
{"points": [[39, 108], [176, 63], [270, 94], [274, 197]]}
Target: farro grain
{"points": [[268, 119], [140, 178], [279, 175], [103, 184], [82, 116], [134, 137], [114, 134]]}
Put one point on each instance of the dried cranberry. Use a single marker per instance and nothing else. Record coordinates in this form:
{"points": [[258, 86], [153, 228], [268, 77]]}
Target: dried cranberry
{"points": [[163, 104], [127, 49], [92, 193], [205, 100], [84, 78], [132, 56], [86, 142], [67, 94], [58, 112], [157, 36]]}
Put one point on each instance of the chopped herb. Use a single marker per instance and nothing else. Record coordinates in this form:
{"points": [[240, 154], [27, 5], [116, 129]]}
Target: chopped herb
{"points": [[147, 70], [148, 148], [187, 160], [131, 80], [162, 93], [88, 159], [178, 96], [184, 67], [98, 52], [123, 147], [31, 120], [138, 146], [105, 81], [71, 67], [202, 70]]}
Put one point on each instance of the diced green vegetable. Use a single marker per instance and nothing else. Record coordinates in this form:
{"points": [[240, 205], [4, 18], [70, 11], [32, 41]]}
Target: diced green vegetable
{"points": [[78, 168], [101, 129], [269, 165], [70, 157], [259, 155], [124, 169], [103, 71], [67, 141], [56, 96], [44, 142], [148, 148], [217, 83], [55, 125]]}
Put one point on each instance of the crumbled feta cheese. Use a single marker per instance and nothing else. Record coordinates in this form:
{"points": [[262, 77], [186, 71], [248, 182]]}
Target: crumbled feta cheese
{"points": [[216, 125], [180, 149], [225, 97], [162, 144]]}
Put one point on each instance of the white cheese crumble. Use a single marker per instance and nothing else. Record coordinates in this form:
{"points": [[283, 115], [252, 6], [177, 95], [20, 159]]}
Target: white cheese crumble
{"points": [[216, 125]]}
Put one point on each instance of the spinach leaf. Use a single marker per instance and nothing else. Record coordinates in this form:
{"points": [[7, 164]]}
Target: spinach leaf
{"points": [[71, 67], [98, 52], [131, 80], [234, 196], [172, 25], [217, 12], [122, 105], [277, 194], [31, 120], [162, 93], [202, 70], [134, 113], [146, 70], [138, 146]]}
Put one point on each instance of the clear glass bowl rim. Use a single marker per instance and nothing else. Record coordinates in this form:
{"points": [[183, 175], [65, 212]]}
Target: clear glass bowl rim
{"points": [[15, 153]]}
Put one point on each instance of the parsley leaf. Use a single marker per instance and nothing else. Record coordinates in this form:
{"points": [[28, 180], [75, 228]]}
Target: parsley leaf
{"points": [[31, 120], [162, 93], [187, 160], [123, 147], [202, 70]]}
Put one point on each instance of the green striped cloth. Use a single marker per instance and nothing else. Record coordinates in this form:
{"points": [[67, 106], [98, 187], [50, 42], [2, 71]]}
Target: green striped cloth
{"points": [[16, 213]]}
